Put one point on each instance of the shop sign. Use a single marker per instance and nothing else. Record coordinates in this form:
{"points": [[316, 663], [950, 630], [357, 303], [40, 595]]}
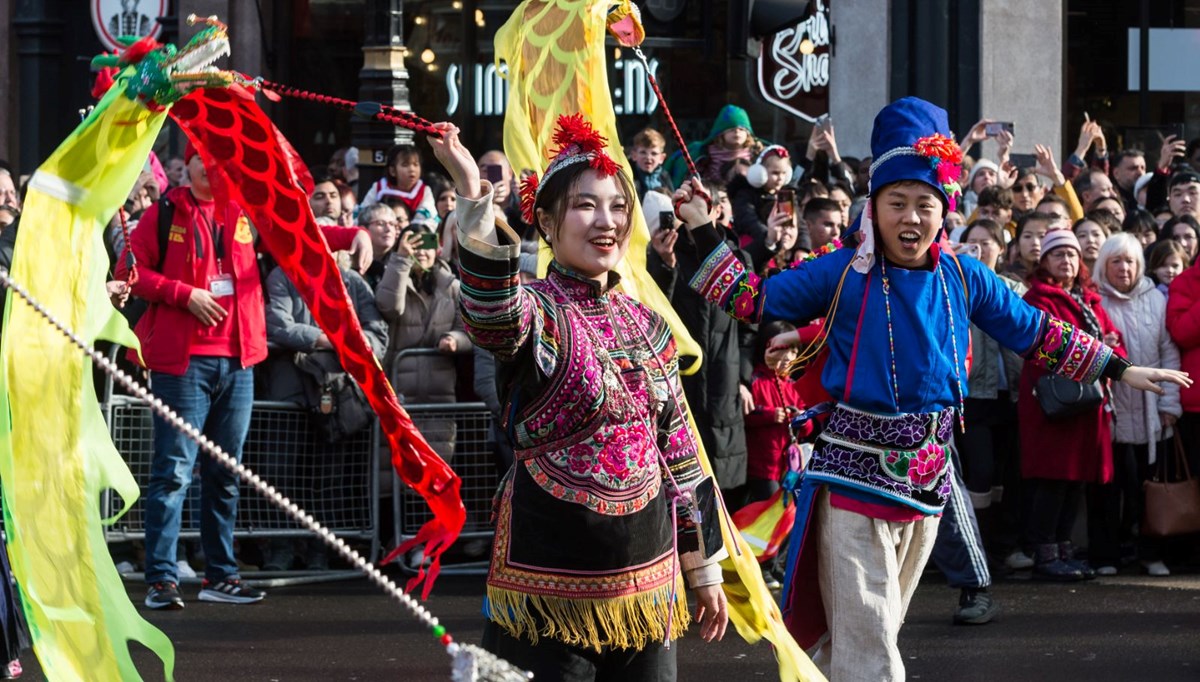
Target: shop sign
{"points": [[793, 69], [631, 93], [115, 18]]}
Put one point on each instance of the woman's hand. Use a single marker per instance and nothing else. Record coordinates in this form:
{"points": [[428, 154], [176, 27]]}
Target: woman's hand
{"points": [[712, 612], [407, 244], [457, 160], [692, 207], [977, 134], [1149, 378], [447, 344], [1171, 147], [1004, 143], [1167, 420], [663, 242]]}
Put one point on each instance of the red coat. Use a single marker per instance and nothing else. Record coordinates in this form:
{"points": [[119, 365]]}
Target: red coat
{"points": [[1183, 323], [766, 438], [1074, 449], [167, 329]]}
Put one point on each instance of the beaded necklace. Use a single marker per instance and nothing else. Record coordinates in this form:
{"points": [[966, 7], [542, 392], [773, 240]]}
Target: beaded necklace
{"points": [[887, 305], [824, 250]]}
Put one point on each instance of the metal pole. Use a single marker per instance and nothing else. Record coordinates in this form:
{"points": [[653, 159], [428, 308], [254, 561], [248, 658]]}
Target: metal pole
{"points": [[1144, 64], [383, 79]]}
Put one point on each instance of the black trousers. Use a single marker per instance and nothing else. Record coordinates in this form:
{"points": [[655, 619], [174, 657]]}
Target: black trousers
{"points": [[552, 661], [1054, 508]]}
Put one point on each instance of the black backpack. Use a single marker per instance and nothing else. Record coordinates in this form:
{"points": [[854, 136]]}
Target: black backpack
{"points": [[337, 406]]}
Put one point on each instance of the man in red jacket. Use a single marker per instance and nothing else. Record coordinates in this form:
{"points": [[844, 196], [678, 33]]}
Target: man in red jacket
{"points": [[201, 336]]}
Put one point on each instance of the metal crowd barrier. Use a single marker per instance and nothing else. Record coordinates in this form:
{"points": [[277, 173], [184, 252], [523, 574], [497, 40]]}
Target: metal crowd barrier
{"points": [[465, 428]]}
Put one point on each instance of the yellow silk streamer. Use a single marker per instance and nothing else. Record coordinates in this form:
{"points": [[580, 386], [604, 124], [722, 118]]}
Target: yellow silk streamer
{"points": [[56, 456], [555, 58]]}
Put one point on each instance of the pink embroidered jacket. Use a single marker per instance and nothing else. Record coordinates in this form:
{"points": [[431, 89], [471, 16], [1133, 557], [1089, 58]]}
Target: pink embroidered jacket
{"points": [[589, 382]]}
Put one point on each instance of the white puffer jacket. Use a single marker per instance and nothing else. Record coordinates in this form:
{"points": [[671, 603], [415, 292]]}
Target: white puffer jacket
{"points": [[1140, 316]]}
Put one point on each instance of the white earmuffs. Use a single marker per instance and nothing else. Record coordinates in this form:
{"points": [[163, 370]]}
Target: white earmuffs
{"points": [[757, 174]]}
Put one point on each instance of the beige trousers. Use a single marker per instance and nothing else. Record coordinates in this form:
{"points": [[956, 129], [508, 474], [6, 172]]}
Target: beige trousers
{"points": [[868, 570]]}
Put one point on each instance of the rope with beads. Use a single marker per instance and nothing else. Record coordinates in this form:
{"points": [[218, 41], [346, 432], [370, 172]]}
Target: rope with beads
{"points": [[372, 110], [469, 662]]}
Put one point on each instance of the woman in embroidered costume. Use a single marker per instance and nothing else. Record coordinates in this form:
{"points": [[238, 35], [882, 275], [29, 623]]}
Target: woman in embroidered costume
{"points": [[897, 322], [585, 570]]}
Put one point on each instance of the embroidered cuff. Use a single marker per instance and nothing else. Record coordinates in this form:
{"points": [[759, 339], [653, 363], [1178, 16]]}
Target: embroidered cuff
{"points": [[1070, 352], [722, 280]]}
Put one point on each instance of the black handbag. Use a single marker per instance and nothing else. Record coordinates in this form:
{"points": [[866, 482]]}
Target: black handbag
{"points": [[1063, 398]]}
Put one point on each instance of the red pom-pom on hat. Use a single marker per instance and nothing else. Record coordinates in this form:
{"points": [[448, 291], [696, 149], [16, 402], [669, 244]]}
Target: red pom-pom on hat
{"points": [[574, 130]]}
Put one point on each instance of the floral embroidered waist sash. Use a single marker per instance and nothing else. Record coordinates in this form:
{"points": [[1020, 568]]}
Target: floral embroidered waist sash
{"points": [[901, 458]]}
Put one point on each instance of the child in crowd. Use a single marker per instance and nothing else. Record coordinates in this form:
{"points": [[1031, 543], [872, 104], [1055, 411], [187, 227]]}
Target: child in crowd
{"points": [[403, 185], [760, 210], [776, 401], [731, 138], [1167, 258], [649, 152]]}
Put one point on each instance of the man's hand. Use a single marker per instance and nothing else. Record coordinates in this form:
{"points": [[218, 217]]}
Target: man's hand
{"points": [[747, 399], [206, 309], [1149, 378], [712, 612], [1008, 175], [1171, 147], [361, 252], [1047, 166], [447, 344], [692, 207], [118, 293], [663, 242]]}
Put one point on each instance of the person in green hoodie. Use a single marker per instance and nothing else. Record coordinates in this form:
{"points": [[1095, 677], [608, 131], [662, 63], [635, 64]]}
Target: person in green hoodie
{"points": [[731, 138]]}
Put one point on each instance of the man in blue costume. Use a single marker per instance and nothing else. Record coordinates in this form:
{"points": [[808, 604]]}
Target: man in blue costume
{"points": [[897, 311]]}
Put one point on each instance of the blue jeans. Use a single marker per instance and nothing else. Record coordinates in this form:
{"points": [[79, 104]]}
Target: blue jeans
{"points": [[216, 395], [958, 552]]}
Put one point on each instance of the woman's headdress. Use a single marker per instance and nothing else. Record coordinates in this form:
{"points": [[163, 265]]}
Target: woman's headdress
{"points": [[578, 142]]}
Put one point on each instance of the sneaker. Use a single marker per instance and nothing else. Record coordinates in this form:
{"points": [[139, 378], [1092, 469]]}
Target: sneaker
{"points": [[126, 567], [1106, 571], [975, 607], [1018, 560], [13, 670], [185, 570], [164, 595], [771, 581], [1156, 568], [230, 591]]}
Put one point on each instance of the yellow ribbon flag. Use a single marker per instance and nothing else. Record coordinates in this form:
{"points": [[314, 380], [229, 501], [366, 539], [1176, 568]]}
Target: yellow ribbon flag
{"points": [[553, 55], [56, 456]]}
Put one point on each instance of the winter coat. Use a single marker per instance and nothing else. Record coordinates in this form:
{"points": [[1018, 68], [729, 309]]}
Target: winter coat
{"points": [[983, 383], [1078, 448], [1140, 316], [1183, 323], [766, 438], [291, 329], [417, 319], [712, 392]]}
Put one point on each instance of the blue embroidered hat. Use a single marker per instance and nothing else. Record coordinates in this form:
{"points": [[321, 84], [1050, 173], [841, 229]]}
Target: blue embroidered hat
{"points": [[910, 141]]}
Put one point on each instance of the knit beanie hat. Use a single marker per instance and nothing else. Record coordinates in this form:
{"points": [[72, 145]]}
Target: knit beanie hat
{"points": [[1060, 237], [982, 163]]}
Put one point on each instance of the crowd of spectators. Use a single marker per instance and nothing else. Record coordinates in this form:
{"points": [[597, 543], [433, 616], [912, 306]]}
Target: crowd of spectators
{"points": [[1126, 273]]}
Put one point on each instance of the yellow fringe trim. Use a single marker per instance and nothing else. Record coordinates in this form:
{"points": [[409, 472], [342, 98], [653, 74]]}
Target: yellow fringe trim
{"points": [[629, 622]]}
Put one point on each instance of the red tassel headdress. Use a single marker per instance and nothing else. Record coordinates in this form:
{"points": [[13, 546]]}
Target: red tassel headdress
{"points": [[578, 142]]}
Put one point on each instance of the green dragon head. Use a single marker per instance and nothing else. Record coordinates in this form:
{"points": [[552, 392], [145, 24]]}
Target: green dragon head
{"points": [[162, 74]]}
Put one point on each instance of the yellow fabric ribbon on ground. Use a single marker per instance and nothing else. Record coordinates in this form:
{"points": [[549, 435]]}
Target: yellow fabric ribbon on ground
{"points": [[56, 456], [554, 54]]}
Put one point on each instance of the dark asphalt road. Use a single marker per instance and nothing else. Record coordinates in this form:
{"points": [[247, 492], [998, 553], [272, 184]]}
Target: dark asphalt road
{"points": [[1124, 628]]}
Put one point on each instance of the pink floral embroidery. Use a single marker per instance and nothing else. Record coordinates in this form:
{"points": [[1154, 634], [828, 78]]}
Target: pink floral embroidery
{"points": [[579, 459], [926, 465], [614, 456]]}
